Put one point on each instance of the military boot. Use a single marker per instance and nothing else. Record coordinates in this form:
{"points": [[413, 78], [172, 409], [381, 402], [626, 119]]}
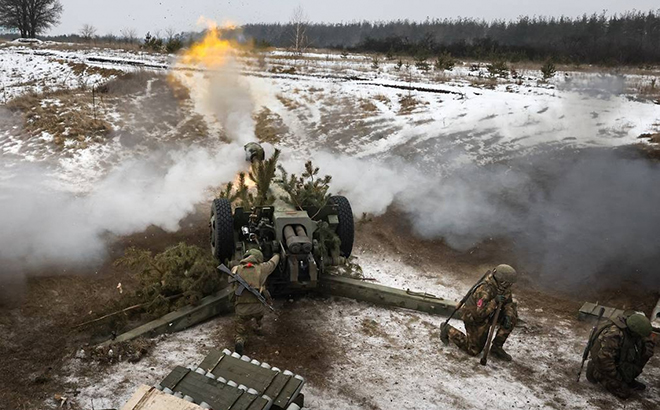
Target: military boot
{"points": [[238, 347], [444, 333], [635, 385], [499, 352]]}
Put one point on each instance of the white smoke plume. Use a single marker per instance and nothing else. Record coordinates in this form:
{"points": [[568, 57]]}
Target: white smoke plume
{"points": [[569, 217], [42, 226]]}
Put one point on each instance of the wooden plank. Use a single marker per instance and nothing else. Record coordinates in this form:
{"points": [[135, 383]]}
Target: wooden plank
{"points": [[148, 398], [211, 360], [244, 373], [181, 319], [288, 392], [384, 295], [250, 401], [276, 387], [203, 389], [175, 376]]}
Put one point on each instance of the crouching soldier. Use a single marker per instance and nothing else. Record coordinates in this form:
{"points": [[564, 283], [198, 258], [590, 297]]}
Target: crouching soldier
{"points": [[619, 354], [247, 306], [477, 314]]}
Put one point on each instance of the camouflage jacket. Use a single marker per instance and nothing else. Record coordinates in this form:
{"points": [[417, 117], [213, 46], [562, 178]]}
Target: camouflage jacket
{"points": [[481, 305], [620, 355], [255, 274]]}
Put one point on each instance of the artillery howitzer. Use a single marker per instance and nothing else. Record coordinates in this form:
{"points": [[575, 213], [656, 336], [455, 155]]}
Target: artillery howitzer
{"points": [[306, 239], [295, 234]]}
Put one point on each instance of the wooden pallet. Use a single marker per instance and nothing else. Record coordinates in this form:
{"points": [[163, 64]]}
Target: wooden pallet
{"points": [[149, 398], [590, 311], [282, 386], [200, 389]]}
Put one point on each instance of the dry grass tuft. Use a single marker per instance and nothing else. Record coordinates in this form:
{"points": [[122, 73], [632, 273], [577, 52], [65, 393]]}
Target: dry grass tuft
{"points": [[652, 138], [69, 116], [269, 126], [408, 104], [483, 82], [287, 102], [382, 98], [367, 106], [81, 68]]}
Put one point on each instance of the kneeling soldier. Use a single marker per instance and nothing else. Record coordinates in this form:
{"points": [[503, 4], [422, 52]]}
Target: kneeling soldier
{"points": [[619, 354], [478, 311]]}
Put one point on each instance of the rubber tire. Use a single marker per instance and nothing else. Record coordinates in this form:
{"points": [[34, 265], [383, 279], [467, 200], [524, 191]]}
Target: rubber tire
{"points": [[222, 230], [346, 227]]}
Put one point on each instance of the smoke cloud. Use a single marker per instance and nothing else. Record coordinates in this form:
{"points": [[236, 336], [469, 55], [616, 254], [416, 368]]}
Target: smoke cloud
{"points": [[569, 217], [42, 226]]}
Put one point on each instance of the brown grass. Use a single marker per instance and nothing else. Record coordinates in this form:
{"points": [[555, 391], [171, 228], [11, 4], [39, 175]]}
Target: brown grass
{"points": [[367, 106], [81, 68], [75, 118], [269, 126], [287, 102], [382, 98], [408, 104], [483, 82]]}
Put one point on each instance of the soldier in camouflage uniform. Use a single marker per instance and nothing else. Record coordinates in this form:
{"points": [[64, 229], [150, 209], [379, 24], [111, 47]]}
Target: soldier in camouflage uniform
{"points": [[477, 314], [620, 351], [246, 306]]}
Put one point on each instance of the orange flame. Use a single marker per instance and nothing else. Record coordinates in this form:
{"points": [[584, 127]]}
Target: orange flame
{"points": [[212, 51]]}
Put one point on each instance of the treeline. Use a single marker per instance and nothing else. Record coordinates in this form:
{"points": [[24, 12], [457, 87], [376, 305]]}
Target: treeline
{"points": [[629, 38]]}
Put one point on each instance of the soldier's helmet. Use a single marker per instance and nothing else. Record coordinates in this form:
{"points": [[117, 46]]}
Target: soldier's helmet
{"points": [[505, 274], [256, 253], [639, 324]]}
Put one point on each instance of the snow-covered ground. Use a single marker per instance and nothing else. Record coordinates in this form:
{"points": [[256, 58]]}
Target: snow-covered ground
{"points": [[439, 119], [393, 359]]}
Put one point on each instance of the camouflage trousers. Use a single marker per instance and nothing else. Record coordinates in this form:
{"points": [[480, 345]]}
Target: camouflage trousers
{"points": [[474, 340], [615, 386], [245, 313]]}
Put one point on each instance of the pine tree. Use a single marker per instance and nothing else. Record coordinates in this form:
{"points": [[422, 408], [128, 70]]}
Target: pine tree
{"points": [[262, 174], [182, 274], [305, 191]]}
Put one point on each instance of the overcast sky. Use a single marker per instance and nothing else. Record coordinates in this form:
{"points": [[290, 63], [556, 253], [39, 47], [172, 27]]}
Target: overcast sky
{"points": [[110, 16]]}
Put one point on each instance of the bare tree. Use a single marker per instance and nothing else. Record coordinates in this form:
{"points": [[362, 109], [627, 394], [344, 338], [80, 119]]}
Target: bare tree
{"points": [[129, 35], [170, 33], [299, 22], [30, 17], [88, 32]]}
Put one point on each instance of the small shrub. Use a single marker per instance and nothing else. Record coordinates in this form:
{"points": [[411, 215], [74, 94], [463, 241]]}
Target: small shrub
{"points": [[498, 69], [152, 43], [548, 70], [422, 64], [173, 45], [445, 62], [375, 62], [398, 65]]}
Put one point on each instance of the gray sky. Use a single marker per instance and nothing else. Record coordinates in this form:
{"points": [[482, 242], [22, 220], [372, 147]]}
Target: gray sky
{"points": [[152, 15]]}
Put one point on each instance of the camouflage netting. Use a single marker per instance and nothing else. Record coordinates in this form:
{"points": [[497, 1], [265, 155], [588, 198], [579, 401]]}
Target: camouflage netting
{"points": [[180, 275]]}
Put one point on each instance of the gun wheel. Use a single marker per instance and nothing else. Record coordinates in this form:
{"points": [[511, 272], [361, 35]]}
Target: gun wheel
{"points": [[346, 227], [222, 230]]}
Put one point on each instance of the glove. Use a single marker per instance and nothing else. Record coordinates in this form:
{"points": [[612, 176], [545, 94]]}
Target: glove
{"points": [[507, 323], [500, 299]]}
